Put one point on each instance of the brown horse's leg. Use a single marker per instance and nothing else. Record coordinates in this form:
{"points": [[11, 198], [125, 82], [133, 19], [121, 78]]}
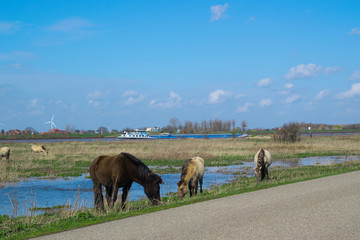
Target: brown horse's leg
{"points": [[99, 200], [124, 195], [115, 193], [108, 196]]}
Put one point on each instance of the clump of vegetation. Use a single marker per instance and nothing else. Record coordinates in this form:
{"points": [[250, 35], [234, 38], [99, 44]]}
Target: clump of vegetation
{"points": [[289, 133]]}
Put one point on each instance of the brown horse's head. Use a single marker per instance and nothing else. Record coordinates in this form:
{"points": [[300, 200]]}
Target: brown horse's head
{"points": [[152, 188], [182, 188]]}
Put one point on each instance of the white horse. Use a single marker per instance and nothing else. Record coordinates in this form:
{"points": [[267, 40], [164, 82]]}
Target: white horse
{"points": [[262, 161]]}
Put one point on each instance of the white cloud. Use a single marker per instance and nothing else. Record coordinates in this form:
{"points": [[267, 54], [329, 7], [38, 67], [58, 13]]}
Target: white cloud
{"points": [[15, 65], [331, 70], [292, 98], [35, 107], [265, 102], [173, 101], [95, 99], [355, 31], [355, 90], [33, 103], [132, 97], [218, 96], [239, 95], [218, 11], [70, 25], [355, 75], [264, 82], [289, 85], [18, 55], [251, 19], [94, 103], [322, 94], [96, 94], [129, 93], [244, 108], [287, 90], [303, 71], [9, 27]]}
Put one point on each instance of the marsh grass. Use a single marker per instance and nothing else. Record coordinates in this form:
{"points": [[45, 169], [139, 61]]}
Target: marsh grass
{"points": [[80, 215], [73, 158]]}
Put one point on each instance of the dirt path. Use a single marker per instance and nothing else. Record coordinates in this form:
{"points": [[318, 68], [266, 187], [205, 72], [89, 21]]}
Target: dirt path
{"points": [[326, 208]]}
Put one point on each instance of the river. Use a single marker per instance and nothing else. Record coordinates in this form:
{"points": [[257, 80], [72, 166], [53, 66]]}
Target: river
{"points": [[77, 191]]}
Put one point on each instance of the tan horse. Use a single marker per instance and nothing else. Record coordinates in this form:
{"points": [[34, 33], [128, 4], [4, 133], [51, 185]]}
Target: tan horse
{"points": [[39, 149], [262, 162], [191, 175]]}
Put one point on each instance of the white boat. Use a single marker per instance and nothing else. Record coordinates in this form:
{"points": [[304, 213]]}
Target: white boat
{"points": [[138, 134], [244, 135]]}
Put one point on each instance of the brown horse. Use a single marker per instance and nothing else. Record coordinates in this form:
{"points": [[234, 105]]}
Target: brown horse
{"points": [[118, 171]]}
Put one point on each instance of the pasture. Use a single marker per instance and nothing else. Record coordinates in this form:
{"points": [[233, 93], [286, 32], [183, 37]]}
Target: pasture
{"points": [[74, 158]]}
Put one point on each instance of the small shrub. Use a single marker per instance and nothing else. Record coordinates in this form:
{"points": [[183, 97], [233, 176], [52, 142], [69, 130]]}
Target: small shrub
{"points": [[84, 215], [289, 133]]}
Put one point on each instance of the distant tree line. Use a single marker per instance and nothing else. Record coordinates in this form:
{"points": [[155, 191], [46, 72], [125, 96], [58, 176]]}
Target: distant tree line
{"points": [[315, 127], [205, 126], [213, 126]]}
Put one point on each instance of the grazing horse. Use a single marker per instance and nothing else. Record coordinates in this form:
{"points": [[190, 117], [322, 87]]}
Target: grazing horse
{"points": [[192, 173], [262, 162], [5, 152], [39, 149], [118, 171]]}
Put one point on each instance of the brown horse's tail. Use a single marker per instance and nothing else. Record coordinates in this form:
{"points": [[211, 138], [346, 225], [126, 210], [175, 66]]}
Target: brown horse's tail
{"points": [[98, 197]]}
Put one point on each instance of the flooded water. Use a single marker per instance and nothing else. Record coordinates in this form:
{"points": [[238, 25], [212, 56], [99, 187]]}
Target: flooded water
{"points": [[77, 191]]}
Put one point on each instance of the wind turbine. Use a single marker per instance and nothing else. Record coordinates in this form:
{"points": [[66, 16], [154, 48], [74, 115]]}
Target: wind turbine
{"points": [[51, 122]]}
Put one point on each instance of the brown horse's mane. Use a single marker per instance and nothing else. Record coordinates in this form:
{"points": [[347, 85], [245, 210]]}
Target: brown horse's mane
{"points": [[144, 171]]}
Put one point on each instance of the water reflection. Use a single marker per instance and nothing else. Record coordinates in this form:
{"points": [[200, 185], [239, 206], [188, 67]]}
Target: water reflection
{"points": [[78, 190]]}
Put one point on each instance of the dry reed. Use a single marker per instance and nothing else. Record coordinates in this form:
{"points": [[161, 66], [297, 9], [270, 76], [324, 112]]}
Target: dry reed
{"points": [[75, 157]]}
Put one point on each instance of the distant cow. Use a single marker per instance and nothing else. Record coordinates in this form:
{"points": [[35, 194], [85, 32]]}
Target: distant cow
{"points": [[39, 149], [5, 152], [192, 173], [262, 162]]}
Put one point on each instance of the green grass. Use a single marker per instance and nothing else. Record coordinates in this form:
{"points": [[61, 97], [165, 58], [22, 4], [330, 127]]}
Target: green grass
{"points": [[23, 227]]}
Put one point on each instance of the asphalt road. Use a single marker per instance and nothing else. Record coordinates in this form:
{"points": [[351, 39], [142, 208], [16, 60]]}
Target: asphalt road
{"points": [[326, 208]]}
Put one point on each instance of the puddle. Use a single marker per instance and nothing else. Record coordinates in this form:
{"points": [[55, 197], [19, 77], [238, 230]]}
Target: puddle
{"points": [[77, 191]]}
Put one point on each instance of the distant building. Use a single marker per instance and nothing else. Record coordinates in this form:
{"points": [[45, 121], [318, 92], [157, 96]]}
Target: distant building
{"points": [[16, 132], [54, 130], [152, 129]]}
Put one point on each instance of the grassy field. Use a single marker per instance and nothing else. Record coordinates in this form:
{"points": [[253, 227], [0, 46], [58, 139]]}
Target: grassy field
{"points": [[31, 226], [74, 158]]}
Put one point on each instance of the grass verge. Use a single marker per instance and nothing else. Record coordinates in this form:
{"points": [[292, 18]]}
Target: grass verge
{"points": [[31, 226]]}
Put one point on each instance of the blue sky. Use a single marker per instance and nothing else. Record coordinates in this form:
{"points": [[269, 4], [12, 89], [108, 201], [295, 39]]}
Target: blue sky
{"points": [[140, 63]]}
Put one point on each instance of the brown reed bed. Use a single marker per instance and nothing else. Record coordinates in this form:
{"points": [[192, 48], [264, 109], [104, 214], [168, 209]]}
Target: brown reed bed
{"points": [[72, 158]]}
